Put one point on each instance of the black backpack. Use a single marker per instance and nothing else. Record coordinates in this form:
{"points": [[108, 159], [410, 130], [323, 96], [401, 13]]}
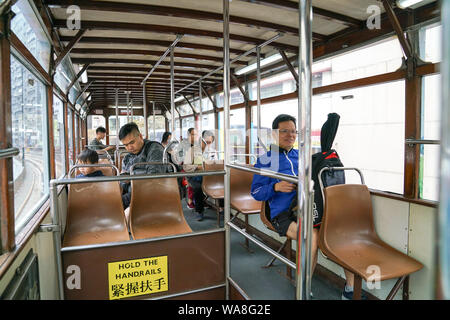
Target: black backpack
{"points": [[331, 177]]}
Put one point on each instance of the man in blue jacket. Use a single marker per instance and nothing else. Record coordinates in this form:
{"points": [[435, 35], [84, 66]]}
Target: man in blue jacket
{"points": [[282, 158]]}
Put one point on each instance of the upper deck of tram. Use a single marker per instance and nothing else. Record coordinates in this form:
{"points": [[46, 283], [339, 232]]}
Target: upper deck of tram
{"points": [[120, 43]]}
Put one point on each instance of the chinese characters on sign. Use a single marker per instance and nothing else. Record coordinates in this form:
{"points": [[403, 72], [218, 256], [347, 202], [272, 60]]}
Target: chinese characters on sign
{"points": [[137, 277]]}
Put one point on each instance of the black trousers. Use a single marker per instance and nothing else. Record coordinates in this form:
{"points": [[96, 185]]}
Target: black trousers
{"points": [[199, 197]]}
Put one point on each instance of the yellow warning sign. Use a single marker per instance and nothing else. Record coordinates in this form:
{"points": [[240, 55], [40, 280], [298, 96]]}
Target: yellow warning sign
{"points": [[138, 277]]}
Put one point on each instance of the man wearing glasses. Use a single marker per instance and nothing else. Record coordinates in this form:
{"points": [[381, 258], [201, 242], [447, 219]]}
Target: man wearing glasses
{"points": [[282, 158]]}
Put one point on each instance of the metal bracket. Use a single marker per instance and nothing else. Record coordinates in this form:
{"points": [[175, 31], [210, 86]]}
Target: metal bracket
{"points": [[48, 228]]}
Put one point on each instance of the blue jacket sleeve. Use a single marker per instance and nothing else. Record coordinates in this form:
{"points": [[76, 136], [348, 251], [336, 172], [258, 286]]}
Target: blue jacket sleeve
{"points": [[262, 186]]}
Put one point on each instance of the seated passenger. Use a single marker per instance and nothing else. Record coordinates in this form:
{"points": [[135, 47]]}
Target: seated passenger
{"points": [[88, 156], [96, 143], [167, 136], [282, 158], [140, 150], [193, 160]]}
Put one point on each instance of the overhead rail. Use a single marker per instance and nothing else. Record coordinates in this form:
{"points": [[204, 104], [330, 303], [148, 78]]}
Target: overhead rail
{"points": [[232, 61]]}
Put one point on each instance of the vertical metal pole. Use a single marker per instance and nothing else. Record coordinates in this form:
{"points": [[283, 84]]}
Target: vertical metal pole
{"points": [[128, 106], [304, 213], [117, 120], [57, 235], [444, 203], [258, 94], [226, 114], [131, 109], [144, 106], [154, 122], [200, 104], [172, 92]]}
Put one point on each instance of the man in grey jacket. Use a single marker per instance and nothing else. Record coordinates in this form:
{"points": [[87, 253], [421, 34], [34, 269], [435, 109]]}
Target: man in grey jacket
{"points": [[140, 150]]}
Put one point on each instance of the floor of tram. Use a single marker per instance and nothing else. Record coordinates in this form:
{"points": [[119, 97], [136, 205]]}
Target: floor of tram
{"points": [[259, 283]]}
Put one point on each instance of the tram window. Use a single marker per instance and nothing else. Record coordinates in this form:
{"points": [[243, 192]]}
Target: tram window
{"points": [[431, 107], [371, 131], [206, 105], [139, 120], [58, 134], [93, 122], [430, 43], [235, 97], [77, 135], [29, 133], [160, 127], [208, 122], [70, 136], [276, 85], [185, 109], [385, 56], [429, 172], [28, 29], [186, 123]]}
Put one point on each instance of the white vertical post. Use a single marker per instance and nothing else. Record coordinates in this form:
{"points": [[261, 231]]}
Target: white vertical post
{"points": [[444, 201], [200, 104], [144, 106], [154, 122], [172, 91]]}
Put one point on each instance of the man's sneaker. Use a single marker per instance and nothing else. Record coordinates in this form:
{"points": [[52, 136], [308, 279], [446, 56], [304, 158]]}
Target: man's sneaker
{"points": [[348, 295]]}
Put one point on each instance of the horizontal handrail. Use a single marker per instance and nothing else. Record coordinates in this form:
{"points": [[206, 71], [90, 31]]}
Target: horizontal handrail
{"points": [[152, 163], [9, 153], [104, 165], [263, 246], [419, 141], [55, 182], [268, 173]]}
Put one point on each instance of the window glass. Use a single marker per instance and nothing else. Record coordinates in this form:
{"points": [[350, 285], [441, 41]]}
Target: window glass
{"points": [[274, 86], [429, 172], [29, 30], [93, 122], [58, 137], [430, 43], [64, 75], [184, 109], [236, 97], [77, 136], [70, 136], [371, 131], [186, 123], [431, 107], [113, 132], [29, 135], [160, 128], [385, 56]]}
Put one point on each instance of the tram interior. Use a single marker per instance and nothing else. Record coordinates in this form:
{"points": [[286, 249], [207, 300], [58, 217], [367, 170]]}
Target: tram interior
{"points": [[77, 65]]}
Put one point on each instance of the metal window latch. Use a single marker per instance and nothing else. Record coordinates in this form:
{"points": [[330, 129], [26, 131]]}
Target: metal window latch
{"points": [[48, 228]]}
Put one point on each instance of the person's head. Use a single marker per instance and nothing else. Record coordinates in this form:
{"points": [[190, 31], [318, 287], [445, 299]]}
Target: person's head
{"points": [[207, 138], [88, 156], [166, 138], [192, 135], [284, 131], [100, 132], [131, 138]]}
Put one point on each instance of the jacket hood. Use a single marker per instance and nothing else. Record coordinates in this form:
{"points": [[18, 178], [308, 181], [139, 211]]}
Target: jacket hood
{"points": [[328, 132]]}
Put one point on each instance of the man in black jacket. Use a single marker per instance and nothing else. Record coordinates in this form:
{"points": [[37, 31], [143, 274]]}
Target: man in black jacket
{"points": [[140, 150]]}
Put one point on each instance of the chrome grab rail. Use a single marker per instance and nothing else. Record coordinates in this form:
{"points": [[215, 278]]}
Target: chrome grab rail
{"points": [[72, 169], [9, 153], [268, 173], [152, 162]]}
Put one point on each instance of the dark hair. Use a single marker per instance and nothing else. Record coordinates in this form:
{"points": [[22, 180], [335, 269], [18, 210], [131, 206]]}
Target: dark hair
{"points": [[166, 136], [127, 129], [100, 129], [208, 133], [88, 155], [282, 118], [190, 130]]}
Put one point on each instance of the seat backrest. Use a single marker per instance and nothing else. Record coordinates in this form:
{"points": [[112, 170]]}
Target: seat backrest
{"points": [[213, 184], [264, 214], [93, 208], [155, 203], [107, 171], [347, 216], [240, 190]]}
